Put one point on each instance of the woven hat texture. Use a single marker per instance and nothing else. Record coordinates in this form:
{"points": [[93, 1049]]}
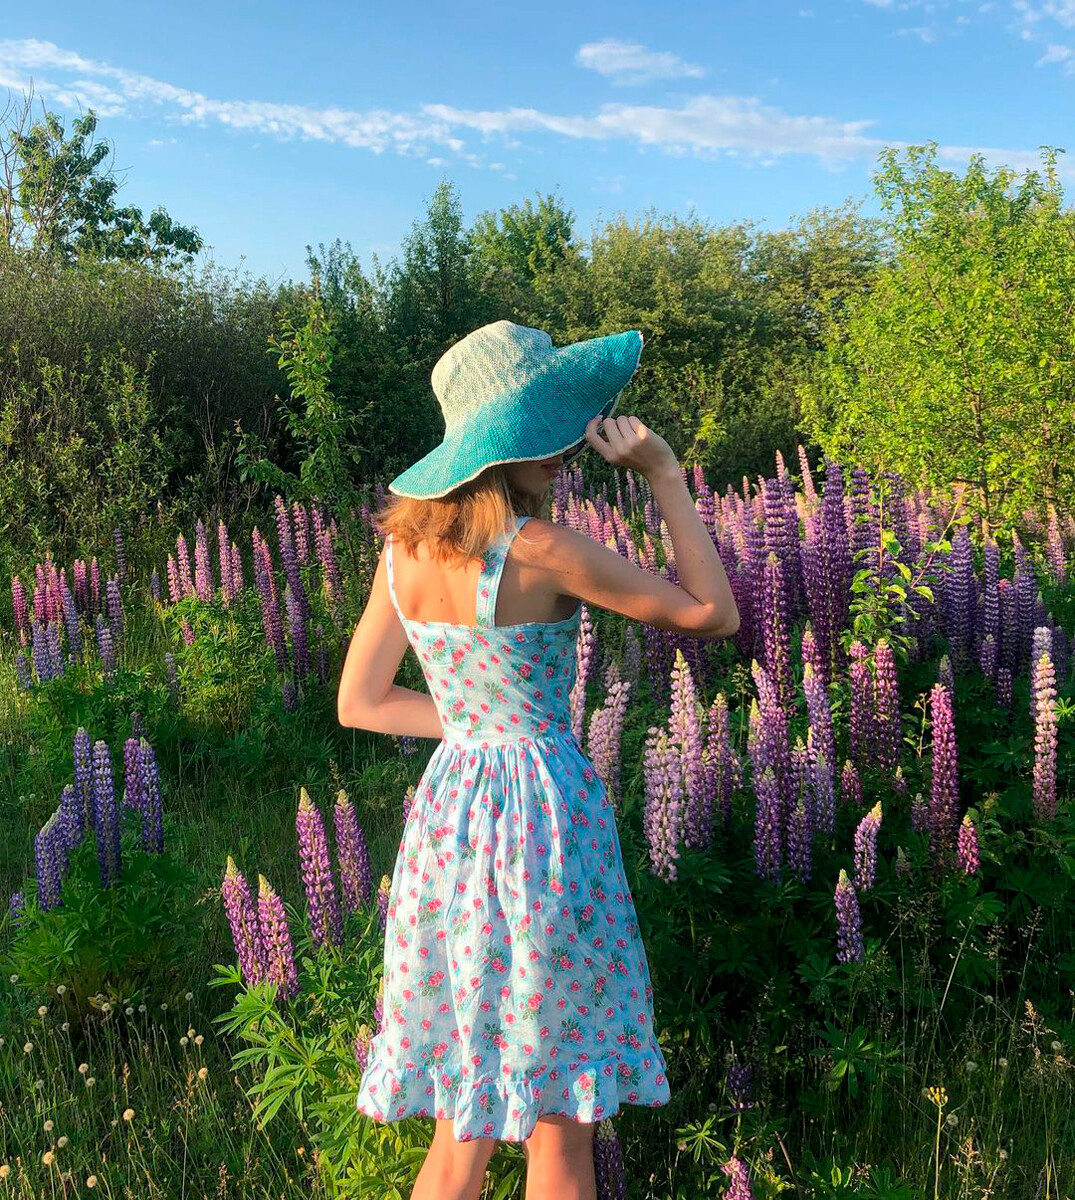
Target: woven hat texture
{"points": [[508, 395]]}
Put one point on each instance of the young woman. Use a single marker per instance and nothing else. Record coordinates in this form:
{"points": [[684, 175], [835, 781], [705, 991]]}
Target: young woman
{"points": [[517, 997]]}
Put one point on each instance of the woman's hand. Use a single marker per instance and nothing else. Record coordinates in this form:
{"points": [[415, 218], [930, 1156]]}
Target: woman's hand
{"points": [[629, 443]]}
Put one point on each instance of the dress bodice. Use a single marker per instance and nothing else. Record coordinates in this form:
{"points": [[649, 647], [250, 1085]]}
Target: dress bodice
{"points": [[496, 682]]}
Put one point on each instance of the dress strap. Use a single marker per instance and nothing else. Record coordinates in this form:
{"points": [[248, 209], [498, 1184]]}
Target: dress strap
{"points": [[492, 569], [391, 582]]}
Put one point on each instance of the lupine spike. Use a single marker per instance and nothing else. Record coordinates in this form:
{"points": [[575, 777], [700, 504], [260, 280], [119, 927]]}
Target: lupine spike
{"points": [[326, 923]]}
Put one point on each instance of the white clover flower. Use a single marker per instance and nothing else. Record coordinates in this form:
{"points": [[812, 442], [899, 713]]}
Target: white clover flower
{"points": [[189, 996], [28, 1047], [61, 990]]}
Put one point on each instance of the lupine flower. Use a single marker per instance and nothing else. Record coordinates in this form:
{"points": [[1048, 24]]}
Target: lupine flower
{"points": [[849, 947], [170, 675], [408, 802], [49, 873], [685, 737], [861, 716], [738, 1180], [384, 890], [609, 1174], [799, 848], [663, 816], [919, 814], [967, 847], [17, 906], [886, 706], [352, 854], [1043, 688], [768, 850], [241, 911], [132, 775], [866, 849], [362, 1046], [584, 669], [152, 809], [850, 785], [105, 817], [326, 924], [279, 954], [738, 1082], [944, 791]]}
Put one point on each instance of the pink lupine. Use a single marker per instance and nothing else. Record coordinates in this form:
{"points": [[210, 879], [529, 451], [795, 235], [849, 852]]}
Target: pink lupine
{"points": [[967, 847], [1043, 687], [241, 911], [279, 953]]}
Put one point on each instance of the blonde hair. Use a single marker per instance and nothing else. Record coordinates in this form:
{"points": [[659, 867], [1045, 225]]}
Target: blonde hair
{"points": [[464, 523]]}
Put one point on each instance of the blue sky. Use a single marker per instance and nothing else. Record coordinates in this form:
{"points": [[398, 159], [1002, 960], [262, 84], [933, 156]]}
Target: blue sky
{"points": [[269, 126]]}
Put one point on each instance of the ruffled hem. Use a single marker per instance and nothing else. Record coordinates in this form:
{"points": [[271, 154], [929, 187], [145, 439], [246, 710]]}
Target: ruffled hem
{"points": [[507, 1108]]}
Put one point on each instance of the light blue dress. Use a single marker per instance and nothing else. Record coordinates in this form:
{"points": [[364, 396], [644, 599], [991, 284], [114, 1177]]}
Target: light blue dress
{"points": [[515, 979]]}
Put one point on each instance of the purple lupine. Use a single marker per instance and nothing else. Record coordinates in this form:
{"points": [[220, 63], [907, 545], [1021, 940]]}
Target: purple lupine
{"points": [[946, 675], [1042, 644], [362, 1046], [408, 802], [132, 775], [861, 716], [1003, 691], [83, 763], [52, 641], [72, 817], [48, 865], [70, 620], [799, 835], [105, 647], [944, 787], [279, 954], [20, 608], [171, 677], [41, 656], [849, 946], [22, 670], [289, 695], [721, 758], [768, 848], [776, 636], [105, 817], [773, 747], [606, 730], [296, 621], [987, 657], [685, 736], [823, 787], [114, 608], [738, 1082], [323, 909], [152, 807], [186, 583], [241, 911], [738, 1180], [321, 654], [919, 814], [850, 786], [865, 849], [967, 847], [609, 1174], [227, 584], [352, 854], [886, 706], [1043, 690], [1054, 549], [17, 906], [663, 817]]}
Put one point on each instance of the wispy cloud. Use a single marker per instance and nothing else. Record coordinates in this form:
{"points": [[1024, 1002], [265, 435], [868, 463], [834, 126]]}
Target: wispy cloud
{"points": [[630, 63], [923, 32], [705, 126]]}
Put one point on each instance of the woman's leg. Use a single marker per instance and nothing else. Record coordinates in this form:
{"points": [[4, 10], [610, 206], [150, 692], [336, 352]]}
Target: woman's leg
{"points": [[453, 1170], [559, 1160]]}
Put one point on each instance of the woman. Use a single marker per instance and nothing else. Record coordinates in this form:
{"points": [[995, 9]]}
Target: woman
{"points": [[517, 996]]}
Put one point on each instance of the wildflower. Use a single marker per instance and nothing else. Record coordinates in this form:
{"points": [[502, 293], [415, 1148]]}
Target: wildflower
{"points": [[141, 1008], [90, 1081], [13, 979], [61, 1141], [128, 1114], [849, 947], [189, 996], [164, 1006], [278, 947], [352, 854], [91, 1182], [183, 1040], [5, 1170], [199, 1039], [190, 1032], [938, 1095], [203, 1073], [1002, 1154], [83, 1068], [48, 1126], [43, 1011], [61, 990], [952, 1119], [240, 909], [738, 1180], [1056, 1046], [971, 1067], [28, 1047], [866, 849], [967, 847], [38, 1084], [1002, 1063], [326, 926], [47, 1158], [129, 1011], [988, 999], [66, 1026]]}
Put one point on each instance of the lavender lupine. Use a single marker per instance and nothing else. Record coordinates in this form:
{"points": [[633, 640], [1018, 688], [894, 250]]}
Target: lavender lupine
{"points": [[82, 754], [279, 952], [823, 787], [297, 625], [585, 663], [850, 785], [738, 1081], [887, 725], [721, 759], [738, 1180], [861, 715], [55, 652], [408, 802], [17, 906], [132, 775], [186, 583], [289, 695], [919, 814], [352, 855], [685, 736], [362, 1046], [944, 786], [776, 636], [1003, 691], [242, 914], [609, 1174], [865, 849], [663, 817], [326, 923], [1043, 689], [152, 806], [22, 670], [849, 945], [170, 674], [114, 608], [967, 847], [768, 847], [105, 647], [384, 892], [1042, 643], [46, 858], [70, 620], [105, 816], [799, 839]]}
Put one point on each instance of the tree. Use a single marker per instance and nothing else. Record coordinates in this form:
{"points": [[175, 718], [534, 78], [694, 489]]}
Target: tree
{"points": [[56, 201], [957, 365]]}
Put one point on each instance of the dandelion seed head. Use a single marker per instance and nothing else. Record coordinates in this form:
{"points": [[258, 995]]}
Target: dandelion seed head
{"points": [[48, 1126], [1002, 1063], [128, 1114], [1057, 1046], [183, 1040], [83, 1068], [90, 1081], [61, 1141], [5, 1170], [47, 1158], [142, 1008], [198, 1040], [971, 1067], [203, 1073], [66, 1026], [952, 1119], [43, 1010], [61, 990], [189, 996], [129, 1011], [28, 1047], [1002, 1154]]}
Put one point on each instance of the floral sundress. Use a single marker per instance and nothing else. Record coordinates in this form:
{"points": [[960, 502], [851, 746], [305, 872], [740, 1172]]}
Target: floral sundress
{"points": [[515, 979]]}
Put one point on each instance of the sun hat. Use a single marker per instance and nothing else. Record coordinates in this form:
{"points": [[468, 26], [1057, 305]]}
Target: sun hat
{"points": [[508, 395]]}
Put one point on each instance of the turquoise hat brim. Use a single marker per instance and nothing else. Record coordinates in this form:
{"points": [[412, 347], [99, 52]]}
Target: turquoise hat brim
{"points": [[543, 418]]}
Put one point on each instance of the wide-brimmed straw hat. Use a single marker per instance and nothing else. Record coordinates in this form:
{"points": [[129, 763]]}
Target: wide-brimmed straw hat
{"points": [[509, 395]]}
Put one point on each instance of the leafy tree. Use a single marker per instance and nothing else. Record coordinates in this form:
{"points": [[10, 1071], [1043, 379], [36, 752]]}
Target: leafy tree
{"points": [[956, 365], [57, 201]]}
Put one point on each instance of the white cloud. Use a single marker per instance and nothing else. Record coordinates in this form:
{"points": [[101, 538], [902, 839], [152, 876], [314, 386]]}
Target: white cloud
{"points": [[630, 63], [706, 126], [922, 32]]}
